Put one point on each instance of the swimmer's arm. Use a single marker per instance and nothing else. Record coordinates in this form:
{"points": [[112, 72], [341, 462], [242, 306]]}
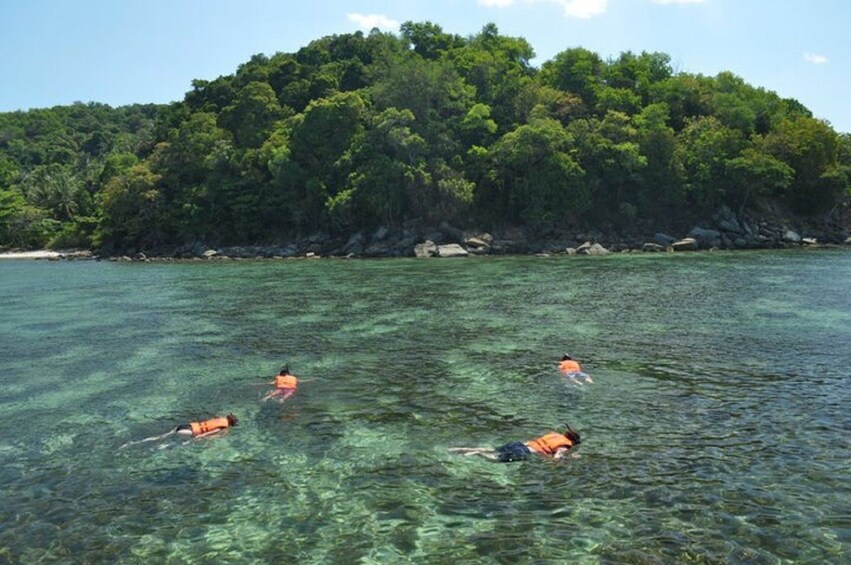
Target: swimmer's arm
{"points": [[212, 432], [561, 452]]}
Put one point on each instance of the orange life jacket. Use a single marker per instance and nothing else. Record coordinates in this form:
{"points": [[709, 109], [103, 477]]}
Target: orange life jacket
{"points": [[286, 381], [199, 428], [548, 444], [569, 366]]}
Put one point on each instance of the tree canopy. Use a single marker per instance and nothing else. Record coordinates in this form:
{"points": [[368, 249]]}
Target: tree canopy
{"points": [[359, 130]]}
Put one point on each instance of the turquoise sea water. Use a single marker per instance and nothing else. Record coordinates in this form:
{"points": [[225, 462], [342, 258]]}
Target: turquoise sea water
{"points": [[717, 429]]}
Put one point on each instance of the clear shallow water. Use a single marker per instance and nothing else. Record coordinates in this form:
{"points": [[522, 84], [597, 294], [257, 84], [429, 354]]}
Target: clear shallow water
{"points": [[717, 429]]}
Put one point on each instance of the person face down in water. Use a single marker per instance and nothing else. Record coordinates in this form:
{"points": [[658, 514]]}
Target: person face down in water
{"points": [[571, 369], [552, 444], [285, 385], [196, 430]]}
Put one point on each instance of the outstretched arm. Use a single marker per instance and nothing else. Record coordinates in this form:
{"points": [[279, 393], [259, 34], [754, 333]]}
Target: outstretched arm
{"points": [[565, 452], [210, 433]]}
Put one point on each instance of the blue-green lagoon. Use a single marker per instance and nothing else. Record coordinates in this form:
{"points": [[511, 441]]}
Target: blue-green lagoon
{"points": [[717, 429]]}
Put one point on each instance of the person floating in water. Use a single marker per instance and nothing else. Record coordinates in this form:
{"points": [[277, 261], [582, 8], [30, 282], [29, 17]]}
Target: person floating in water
{"points": [[571, 369], [197, 430], [285, 385], [553, 444]]}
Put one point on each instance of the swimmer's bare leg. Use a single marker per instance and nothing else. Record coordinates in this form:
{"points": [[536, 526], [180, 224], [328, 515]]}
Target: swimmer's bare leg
{"points": [[152, 438], [486, 452]]}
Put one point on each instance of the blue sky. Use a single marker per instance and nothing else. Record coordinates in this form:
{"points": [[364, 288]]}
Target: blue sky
{"points": [[125, 51]]}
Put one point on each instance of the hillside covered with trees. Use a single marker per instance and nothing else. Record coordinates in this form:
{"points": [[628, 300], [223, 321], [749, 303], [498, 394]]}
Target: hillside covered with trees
{"points": [[358, 131]]}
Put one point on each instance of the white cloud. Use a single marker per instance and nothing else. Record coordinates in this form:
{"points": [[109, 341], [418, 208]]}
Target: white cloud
{"points": [[583, 8], [370, 21], [572, 8], [679, 1], [815, 59]]}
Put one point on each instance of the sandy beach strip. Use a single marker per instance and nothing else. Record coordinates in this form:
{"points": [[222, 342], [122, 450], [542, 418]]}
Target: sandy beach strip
{"points": [[41, 254]]}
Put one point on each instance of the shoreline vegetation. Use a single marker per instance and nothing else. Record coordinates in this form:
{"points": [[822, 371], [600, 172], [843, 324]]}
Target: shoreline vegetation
{"points": [[381, 144]]}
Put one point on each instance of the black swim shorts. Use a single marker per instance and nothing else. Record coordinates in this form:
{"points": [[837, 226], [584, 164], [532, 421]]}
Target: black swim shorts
{"points": [[514, 451]]}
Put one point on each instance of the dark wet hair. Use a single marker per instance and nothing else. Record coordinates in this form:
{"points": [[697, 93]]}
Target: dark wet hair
{"points": [[572, 435], [232, 419], [566, 357], [285, 370]]}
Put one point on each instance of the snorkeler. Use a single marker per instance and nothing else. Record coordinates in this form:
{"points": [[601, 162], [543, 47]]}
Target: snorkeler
{"points": [[553, 444], [285, 385], [197, 430], [571, 369]]}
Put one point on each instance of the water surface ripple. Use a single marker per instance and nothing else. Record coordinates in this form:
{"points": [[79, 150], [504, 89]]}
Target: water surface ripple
{"points": [[717, 429]]}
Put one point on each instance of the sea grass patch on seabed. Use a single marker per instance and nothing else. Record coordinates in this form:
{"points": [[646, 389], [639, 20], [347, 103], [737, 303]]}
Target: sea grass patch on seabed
{"points": [[718, 406]]}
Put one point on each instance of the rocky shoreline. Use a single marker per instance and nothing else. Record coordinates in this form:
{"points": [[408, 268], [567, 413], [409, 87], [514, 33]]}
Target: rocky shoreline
{"points": [[724, 231]]}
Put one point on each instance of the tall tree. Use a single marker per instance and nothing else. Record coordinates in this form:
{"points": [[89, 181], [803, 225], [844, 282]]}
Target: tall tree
{"points": [[534, 176], [705, 146], [810, 147]]}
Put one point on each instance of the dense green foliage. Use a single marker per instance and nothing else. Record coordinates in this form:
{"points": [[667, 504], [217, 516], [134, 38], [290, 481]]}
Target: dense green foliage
{"points": [[355, 131]]}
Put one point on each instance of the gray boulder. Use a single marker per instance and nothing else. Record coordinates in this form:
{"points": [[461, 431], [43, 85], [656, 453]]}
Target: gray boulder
{"points": [[705, 237], [355, 240], [500, 246], [685, 244], [597, 249], [726, 220], [433, 235], [731, 226], [451, 232], [380, 249], [318, 238], [477, 245], [589, 248], [664, 239], [478, 236], [380, 234], [290, 250], [451, 250], [790, 236], [583, 248], [652, 247], [425, 249]]}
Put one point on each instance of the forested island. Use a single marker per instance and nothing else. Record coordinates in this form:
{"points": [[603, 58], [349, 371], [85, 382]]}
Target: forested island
{"points": [[360, 139]]}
